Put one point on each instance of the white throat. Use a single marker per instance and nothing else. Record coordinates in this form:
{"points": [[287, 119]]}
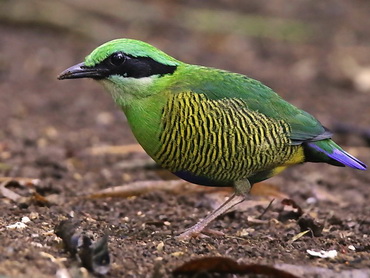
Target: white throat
{"points": [[124, 89]]}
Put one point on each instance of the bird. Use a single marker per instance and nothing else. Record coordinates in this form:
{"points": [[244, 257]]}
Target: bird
{"points": [[207, 126]]}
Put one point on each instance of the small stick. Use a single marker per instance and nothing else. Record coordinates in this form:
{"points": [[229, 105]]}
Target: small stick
{"points": [[265, 210]]}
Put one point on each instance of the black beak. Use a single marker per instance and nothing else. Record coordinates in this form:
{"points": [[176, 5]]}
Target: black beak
{"points": [[82, 71]]}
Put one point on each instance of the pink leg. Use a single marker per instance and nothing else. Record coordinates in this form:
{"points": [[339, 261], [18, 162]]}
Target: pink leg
{"points": [[197, 228]]}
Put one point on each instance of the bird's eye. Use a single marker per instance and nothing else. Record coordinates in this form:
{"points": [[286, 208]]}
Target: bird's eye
{"points": [[117, 59]]}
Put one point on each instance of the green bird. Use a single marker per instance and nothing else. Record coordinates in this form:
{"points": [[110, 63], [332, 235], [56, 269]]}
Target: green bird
{"points": [[207, 126]]}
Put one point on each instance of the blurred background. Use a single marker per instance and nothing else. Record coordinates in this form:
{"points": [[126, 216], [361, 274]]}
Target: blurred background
{"points": [[315, 54]]}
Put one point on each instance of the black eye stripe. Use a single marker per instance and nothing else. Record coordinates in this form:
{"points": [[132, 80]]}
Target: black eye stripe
{"points": [[125, 65]]}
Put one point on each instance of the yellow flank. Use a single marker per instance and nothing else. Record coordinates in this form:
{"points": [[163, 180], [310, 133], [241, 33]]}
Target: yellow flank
{"points": [[222, 139], [297, 158], [277, 170]]}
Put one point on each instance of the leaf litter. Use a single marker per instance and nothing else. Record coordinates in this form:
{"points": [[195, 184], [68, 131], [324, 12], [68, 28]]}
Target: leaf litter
{"points": [[70, 115]]}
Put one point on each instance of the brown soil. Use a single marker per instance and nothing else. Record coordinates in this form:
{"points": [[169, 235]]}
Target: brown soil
{"points": [[48, 127]]}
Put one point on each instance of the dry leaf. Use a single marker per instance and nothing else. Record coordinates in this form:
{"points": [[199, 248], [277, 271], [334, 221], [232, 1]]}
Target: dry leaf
{"points": [[267, 189], [306, 222], [291, 210], [94, 256], [228, 266], [7, 193], [21, 181]]}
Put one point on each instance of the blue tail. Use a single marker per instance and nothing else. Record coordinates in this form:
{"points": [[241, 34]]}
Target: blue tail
{"points": [[330, 152]]}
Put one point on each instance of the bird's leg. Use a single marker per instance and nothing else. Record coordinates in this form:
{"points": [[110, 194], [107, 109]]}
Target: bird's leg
{"points": [[241, 188]]}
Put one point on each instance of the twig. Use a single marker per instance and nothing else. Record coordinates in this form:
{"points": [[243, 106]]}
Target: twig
{"points": [[142, 187], [265, 210], [124, 149]]}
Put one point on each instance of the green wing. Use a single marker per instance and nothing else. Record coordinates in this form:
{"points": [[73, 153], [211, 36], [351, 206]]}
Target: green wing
{"points": [[217, 84]]}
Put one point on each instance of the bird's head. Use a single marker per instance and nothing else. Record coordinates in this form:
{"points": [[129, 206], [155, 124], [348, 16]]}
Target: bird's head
{"points": [[124, 66]]}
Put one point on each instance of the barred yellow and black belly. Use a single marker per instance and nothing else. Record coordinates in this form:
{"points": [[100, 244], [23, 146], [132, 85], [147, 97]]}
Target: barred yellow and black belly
{"points": [[217, 142]]}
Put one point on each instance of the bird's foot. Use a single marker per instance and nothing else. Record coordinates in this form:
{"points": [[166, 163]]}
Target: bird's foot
{"points": [[189, 234], [197, 229], [213, 232], [192, 233]]}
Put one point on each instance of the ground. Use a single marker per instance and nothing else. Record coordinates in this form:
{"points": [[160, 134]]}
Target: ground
{"points": [[51, 128]]}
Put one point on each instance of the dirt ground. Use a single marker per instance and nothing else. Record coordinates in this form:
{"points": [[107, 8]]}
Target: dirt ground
{"points": [[49, 129]]}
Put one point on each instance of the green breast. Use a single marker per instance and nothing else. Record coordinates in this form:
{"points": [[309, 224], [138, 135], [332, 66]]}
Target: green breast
{"points": [[145, 121], [219, 139]]}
